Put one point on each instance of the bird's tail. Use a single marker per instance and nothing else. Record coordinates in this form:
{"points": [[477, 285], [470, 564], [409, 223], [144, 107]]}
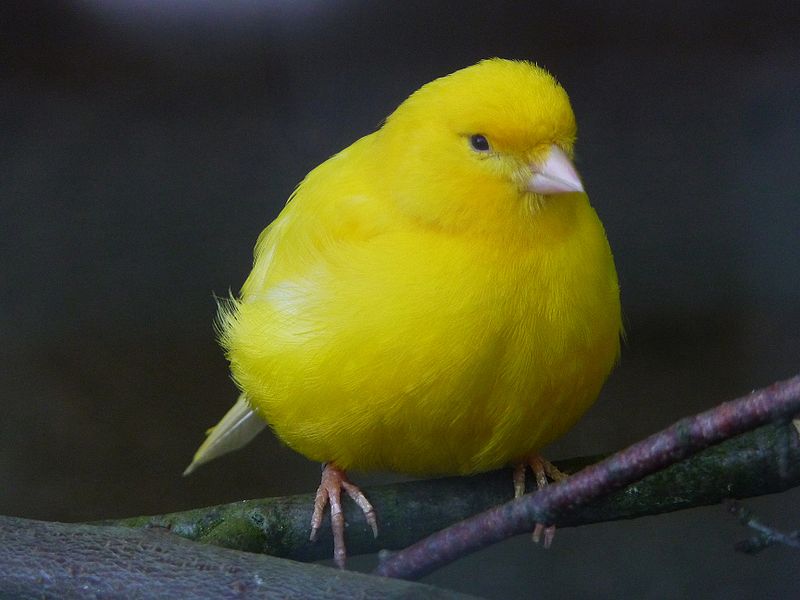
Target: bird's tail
{"points": [[239, 425]]}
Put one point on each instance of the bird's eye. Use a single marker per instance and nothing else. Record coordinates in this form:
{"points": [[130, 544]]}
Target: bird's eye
{"points": [[479, 143]]}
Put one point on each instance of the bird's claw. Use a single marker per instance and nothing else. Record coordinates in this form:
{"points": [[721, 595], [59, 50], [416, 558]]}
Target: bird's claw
{"points": [[519, 479], [542, 469], [549, 533], [329, 492], [359, 498]]}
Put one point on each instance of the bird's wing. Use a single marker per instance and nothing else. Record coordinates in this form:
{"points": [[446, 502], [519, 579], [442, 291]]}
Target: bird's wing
{"points": [[239, 425]]}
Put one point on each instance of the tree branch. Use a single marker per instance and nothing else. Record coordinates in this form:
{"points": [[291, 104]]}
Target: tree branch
{"points": [[764, 535], [69, 557], [763, 461], [557, 502], [57, 560]]}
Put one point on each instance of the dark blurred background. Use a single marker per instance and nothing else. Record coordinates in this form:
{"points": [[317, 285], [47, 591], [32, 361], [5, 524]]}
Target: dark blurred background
{"points": [[145, 144]]}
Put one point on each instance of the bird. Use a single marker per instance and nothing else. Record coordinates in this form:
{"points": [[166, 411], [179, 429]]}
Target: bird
{"points": [[438, 298]]}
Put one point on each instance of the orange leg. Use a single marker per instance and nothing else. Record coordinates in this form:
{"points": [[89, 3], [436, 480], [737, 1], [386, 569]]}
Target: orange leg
{"points": [[542, 469], [334, 480]]}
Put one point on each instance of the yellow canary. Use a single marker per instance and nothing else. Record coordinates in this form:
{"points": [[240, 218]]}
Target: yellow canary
{"points": [[437, 298]]}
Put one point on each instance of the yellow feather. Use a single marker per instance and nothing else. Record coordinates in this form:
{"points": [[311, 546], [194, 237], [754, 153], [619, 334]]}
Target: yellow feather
{"points": [[414, 307]]}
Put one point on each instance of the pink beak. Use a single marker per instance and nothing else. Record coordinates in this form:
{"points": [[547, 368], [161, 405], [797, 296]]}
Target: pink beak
{"points": [[557, 175]]}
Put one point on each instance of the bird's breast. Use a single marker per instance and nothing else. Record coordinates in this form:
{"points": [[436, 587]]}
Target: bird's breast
{"points": [[425, 353]]}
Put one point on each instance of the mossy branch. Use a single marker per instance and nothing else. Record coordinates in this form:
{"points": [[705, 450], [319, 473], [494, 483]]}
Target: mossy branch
{"points": [[141, 555], [763, 461], [557, 503]]}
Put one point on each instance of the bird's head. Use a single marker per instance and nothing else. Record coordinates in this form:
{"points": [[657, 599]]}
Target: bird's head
{"points": [[480, 148]]}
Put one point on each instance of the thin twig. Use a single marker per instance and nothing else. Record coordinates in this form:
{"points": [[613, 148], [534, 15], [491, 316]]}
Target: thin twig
{"points": [[552, 505], [765, 535], [70, 557], [763, 461]]}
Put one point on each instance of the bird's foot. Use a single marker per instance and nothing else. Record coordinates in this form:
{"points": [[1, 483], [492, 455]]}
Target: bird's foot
{"points": [[542, 469], [334, 480]]}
